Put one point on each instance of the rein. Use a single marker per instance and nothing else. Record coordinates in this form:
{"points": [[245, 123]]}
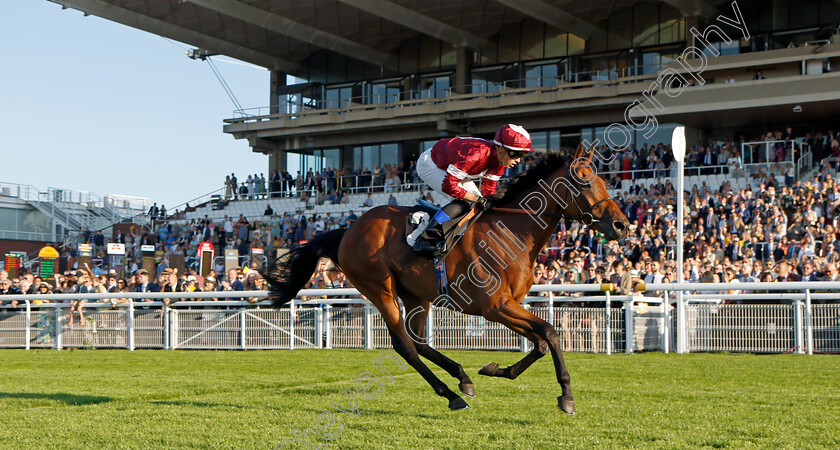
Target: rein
{"points": [[586, 217]]}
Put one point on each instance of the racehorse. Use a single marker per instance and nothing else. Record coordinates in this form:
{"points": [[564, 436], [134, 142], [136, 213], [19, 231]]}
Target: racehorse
{"points": [[490, 266]]}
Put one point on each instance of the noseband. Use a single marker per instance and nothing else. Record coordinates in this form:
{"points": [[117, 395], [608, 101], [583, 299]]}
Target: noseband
{"points": [[585, 217]]}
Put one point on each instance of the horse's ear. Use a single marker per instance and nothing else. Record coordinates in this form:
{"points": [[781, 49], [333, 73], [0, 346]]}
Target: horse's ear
{"points": [[581, 152]]}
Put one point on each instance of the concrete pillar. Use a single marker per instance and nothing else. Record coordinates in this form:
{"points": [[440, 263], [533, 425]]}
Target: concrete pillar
{"points": [[277, 161], [463, 64], [278, 79]]}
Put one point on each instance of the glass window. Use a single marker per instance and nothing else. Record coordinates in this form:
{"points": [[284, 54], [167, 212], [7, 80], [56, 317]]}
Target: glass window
{"points": [[409, 55], [332, 158], [370, 157], [571, 140], [553, 141], [337, 97], [532, 40], [509, 44], [539, 141], [383, 92], [433, 87], [576, 45], [556, 43], [645, 24], [293, 165], [662, 135], [541, 75], [429, 54], [621, 29], [8, 219], [672, 28], [492, 79], [389, 154]]}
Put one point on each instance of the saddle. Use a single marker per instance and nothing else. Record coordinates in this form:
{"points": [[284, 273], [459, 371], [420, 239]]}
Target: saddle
{"points": [[419, 217]]}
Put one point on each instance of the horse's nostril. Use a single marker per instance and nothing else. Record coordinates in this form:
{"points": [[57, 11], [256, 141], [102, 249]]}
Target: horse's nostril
{"points": [[619, 226]]}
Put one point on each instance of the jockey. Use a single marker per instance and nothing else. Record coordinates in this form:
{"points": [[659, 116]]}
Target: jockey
{"points": [[450, 167]]}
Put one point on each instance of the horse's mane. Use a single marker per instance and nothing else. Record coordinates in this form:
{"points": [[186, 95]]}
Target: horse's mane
{"points": [[525, 181]]}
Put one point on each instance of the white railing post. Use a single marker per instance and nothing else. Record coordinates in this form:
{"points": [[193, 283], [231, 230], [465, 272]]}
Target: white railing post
{"points": [[292, 324], [809, 328], [368, 325], [665, 337], [130, 324], [319, 327], [430, 326], [551, 307], [57, 339], [608, 324], [166, 324], [798, 344], [242, 344], [682, 333], [628, 326], [523, 343], [327, 326], [28, 333], [173, 330]]}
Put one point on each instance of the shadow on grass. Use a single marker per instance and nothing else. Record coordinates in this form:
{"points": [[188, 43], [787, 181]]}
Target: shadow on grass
{"points": [[69, 399]]}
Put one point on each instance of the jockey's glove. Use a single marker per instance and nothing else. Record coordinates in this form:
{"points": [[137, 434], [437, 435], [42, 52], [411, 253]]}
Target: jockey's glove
{"points": [[483, 204]]}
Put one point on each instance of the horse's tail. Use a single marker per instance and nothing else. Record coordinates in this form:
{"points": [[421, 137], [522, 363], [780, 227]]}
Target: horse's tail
{"points": [[288, 274]]}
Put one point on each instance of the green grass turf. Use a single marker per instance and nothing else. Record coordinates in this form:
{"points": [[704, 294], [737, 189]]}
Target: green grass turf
{"points": [[255, 399]]}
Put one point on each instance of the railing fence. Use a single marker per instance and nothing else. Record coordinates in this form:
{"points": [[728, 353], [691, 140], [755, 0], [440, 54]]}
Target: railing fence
{"points": [[601, 323]]}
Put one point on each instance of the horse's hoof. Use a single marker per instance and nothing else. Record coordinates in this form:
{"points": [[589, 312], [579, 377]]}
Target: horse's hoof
{"points": [[491, 370], [567, 405], [458, 403], [467, 389]]}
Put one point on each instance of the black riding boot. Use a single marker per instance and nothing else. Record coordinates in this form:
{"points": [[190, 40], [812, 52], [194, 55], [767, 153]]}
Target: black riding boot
{"points": [[442, 221]]}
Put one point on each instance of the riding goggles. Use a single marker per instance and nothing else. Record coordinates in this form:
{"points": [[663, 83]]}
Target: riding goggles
{"points": [[515, 154]]}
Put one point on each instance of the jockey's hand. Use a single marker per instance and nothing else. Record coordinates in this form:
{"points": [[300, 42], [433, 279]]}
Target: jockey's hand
{"points": [[483, 204]]}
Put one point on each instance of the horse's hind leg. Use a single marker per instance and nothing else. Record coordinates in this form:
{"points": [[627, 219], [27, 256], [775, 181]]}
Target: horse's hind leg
{"points": [[386, 302], [514, 316], [417, 311], [513, 371]]}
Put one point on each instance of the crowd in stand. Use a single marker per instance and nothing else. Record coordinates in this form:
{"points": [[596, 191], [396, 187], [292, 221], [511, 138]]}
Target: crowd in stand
{"points": [[326, 182], [774, 229]]}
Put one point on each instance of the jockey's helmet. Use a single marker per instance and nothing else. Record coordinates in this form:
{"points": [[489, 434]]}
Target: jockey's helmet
{"points": [[514, 139]]}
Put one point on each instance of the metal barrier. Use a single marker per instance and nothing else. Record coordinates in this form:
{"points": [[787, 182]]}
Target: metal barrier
{"points": [[685, 322]]}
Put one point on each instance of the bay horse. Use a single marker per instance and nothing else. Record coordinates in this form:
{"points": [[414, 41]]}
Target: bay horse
{"points": [[489, 268]]}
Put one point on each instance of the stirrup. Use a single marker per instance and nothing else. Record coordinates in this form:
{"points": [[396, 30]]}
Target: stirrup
{"points": [[425, 247]]}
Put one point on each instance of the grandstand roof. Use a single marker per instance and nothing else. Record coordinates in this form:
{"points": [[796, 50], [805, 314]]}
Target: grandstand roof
{"points": [[282, 34]]}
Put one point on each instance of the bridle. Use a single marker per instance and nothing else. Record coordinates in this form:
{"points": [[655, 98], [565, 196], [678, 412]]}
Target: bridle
{"points": [[585, 217]]}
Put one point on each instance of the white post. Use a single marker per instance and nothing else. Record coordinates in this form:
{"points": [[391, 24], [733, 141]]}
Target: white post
{"points": [[523, 343], [173, 331], [327, 325], [57, 339], [628, 326], [368, 330], [798, 345], [809, 329], [665, 337], [28, 323], [608, 324], [430, 326], [242, 344], [551, 307], [130, 324], [292, 324], [678, 148], [682, 333], [319, 326], [166, 326]]}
